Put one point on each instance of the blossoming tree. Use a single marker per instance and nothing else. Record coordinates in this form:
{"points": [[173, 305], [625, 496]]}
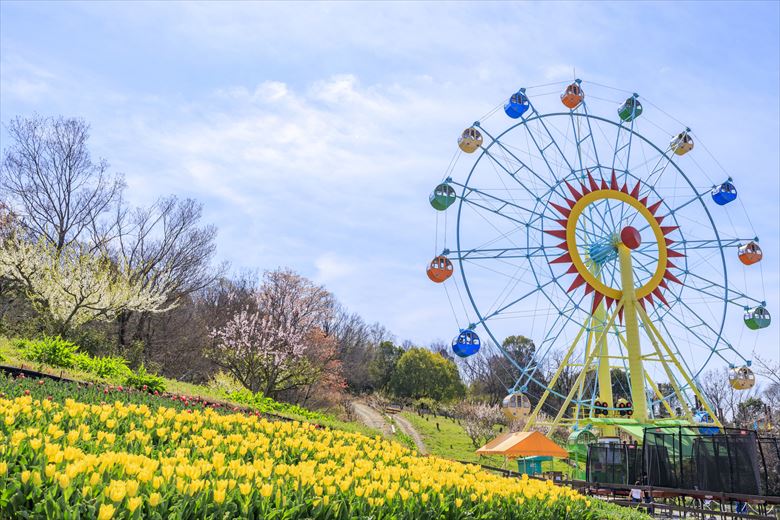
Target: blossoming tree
{"points": [[73, 287], [275, 342]]}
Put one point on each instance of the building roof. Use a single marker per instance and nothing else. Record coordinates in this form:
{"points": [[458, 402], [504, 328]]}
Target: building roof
{"points": [[523, 444]]}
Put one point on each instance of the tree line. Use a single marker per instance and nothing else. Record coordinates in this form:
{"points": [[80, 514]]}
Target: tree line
{"points": [[78, 261]]}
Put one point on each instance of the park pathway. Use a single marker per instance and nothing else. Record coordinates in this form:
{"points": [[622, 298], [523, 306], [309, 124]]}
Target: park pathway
{"points": [[371, 418], [409, 430], [374, 418]]}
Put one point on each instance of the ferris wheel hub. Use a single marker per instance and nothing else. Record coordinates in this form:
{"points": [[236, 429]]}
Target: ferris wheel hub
{"points": [[630, 237]]}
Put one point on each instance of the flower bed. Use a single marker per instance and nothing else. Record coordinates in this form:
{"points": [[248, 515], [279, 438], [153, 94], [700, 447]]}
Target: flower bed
{"points": [[134, 457]]}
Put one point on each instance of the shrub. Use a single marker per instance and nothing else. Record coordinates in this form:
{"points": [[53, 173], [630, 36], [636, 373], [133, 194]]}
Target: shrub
{"points": [[53, 351], [224, 383], [108, 366], [143, 380]]}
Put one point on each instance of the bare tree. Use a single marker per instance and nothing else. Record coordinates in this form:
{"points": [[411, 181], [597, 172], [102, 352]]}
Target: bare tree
{"points": [[355, 348], [768, 369], [169, 250], [51, 181]]}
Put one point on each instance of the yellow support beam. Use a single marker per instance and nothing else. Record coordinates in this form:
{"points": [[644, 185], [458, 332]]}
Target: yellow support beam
{"points": [[636, 370], [564, 362], [588, 362], [658, 393], [669, 373], [695, 389]]}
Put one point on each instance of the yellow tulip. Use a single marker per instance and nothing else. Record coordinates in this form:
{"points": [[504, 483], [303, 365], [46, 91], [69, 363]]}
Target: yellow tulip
{"points": [[106, 512], [154, 499], [134, 503], [131, 488]]}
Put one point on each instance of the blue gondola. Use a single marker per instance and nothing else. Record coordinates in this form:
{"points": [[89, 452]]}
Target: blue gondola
{"points": [[703, 417], [724, 193], [517, 104], [466, 344]]}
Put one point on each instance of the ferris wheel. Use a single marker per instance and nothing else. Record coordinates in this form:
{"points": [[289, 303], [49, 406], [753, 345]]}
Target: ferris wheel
{"points": [[600, 235]]}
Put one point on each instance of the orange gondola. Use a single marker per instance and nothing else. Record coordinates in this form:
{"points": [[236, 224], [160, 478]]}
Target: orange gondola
{"points": [[439, 269], [750, 253], [573, 96]]}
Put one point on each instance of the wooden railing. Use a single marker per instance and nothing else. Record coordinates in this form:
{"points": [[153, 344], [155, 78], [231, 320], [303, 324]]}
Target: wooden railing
{"points": [[669, 500]]}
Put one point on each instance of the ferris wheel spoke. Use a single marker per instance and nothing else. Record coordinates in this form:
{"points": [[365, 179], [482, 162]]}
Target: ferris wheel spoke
{"points": [[698, 196], [496, 253], [512, 174], [522, 163], [702, 323], [713, 243], [716, 351], [660, 167], [492, 210], [726, 291], [625, 147], [590, 136], [544, 156], [518, 300], [552, 142], [468, 190]]}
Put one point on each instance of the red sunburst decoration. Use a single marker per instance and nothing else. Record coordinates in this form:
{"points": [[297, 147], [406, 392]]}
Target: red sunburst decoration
{"points": [[631, 239]]}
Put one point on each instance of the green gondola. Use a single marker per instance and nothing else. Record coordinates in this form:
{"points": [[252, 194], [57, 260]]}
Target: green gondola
{"points": [[442, 197], [757, 318], [630, 109]]}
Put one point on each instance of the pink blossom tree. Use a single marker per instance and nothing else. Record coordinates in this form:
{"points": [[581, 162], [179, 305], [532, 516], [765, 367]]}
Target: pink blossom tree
{"points": [[273, 343]]}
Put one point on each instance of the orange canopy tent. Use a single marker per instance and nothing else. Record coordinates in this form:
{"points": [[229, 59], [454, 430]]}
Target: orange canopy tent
{"points": [[523, 444]]}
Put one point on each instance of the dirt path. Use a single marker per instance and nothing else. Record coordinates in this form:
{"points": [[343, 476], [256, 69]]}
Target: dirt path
{"points": [[409, 430], [371, 417]]}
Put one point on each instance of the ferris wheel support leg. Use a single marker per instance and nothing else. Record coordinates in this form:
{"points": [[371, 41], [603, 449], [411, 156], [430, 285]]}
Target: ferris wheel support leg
{"points": [[604, 373], [669, 374], [588, 363], [546, 394], [659, 394], [691, 384], [636, 370]]}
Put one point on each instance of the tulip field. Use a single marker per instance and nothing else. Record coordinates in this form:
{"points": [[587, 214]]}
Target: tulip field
{"points": [[70, 451]]}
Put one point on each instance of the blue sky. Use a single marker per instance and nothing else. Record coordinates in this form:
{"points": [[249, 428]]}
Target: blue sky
{"points": [[313, 133]]}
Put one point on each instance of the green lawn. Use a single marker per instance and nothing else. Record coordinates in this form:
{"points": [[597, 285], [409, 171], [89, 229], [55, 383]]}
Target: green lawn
{"points": [[449, 440]]}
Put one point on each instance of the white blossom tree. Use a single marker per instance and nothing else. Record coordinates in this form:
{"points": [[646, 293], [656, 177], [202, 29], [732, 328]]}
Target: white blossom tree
{"points": [[73, 286], [273, 343], [478, 421]]}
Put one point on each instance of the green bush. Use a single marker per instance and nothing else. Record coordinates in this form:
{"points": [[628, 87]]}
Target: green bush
{"points": [[53, 351], [108, 366], [223, 383], [143, 380], [265, 404]]}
